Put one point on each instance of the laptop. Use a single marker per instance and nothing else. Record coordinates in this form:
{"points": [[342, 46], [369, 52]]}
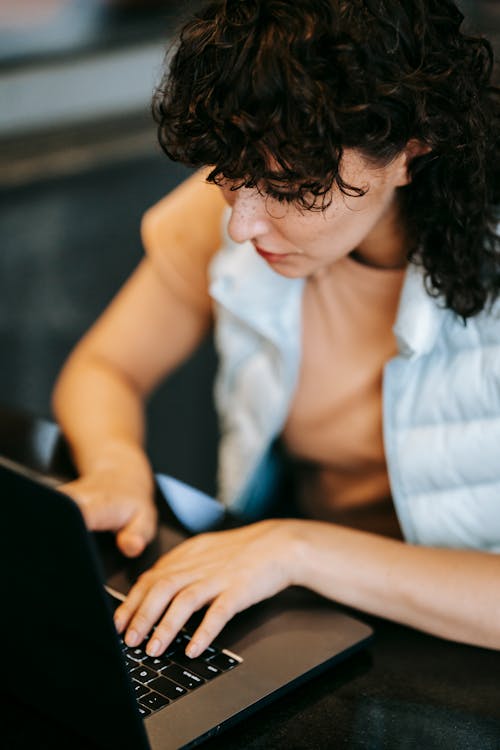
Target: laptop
{"points": [[66, 672]]}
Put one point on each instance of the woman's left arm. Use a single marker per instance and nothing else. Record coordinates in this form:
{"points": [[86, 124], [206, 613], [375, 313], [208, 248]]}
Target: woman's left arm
{"points": [[449, 593]]}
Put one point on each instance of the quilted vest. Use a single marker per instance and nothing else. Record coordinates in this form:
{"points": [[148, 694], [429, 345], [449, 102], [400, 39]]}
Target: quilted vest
{"points": [[441, 401]]}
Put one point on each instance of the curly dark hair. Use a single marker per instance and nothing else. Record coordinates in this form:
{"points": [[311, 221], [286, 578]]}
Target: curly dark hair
{"points": [[270, 93]]}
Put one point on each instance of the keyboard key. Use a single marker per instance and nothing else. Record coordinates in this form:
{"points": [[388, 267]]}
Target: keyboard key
{"points": [[153, 701], [222, 661], [207, 670], [167, 688], [184, 677], [156, 662], [143, 710], [143, 674], [139, 689], [130, 664], [138, 654]]}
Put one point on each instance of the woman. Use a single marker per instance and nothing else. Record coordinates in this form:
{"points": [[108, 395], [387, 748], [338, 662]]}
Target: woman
{"points": [[340, 235]]}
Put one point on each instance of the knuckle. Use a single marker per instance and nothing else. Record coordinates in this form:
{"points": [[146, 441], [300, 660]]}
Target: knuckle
{"points": [[124, 610], [220, 611], [187, 598], [143, 615], [162, 588], [151, 577], [165, 631], [140, 622], [143, 581], [207, 633]]}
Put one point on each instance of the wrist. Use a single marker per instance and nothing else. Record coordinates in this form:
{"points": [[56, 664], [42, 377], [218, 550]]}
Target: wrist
{"points": [[128, 457], [319, 553], [300, 551]]}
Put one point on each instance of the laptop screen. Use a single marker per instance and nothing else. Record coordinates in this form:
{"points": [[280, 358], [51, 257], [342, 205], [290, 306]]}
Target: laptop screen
{"points": [[61, 654]]}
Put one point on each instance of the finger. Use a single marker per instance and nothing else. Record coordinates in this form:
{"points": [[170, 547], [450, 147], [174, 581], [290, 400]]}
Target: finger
{"points": [[123, 614], [188, 601], [143, 584], [130, 544], [138, 532], [222, 609], [144, 606]]}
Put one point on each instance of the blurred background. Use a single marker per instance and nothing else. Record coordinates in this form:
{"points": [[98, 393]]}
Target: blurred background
{"points": [[79, 164]]}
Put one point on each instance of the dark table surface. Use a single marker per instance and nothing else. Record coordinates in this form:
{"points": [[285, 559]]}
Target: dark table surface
{"points": [[405, 690]]}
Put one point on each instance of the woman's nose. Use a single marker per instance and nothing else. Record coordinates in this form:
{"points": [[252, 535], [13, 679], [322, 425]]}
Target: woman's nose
{"points": [[249, 217]]}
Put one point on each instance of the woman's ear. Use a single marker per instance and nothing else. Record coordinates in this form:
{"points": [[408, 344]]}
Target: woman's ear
{"points": [[413, 149]]}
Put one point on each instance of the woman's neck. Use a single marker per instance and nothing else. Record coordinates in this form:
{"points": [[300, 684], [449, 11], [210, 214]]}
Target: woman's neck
{"points": [[386, 246]]}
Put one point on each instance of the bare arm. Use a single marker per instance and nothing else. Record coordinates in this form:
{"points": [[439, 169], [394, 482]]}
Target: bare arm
{"points": [[449, 593], [146, 331]]}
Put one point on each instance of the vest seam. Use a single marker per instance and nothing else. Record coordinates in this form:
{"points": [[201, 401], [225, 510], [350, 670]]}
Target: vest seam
{"points": [[451, 422], [464, 486]]}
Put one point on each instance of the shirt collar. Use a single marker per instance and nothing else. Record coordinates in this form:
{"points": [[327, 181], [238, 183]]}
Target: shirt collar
{"points": [[243, 283], [268, 302], [420, 316]]}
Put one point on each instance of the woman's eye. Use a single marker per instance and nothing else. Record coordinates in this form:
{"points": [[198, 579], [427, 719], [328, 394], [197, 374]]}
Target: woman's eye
{"points": [[280, 197]]}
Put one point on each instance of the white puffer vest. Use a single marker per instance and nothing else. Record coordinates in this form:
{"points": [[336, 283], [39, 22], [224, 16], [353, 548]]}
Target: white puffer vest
{"points": [[441, 399]]}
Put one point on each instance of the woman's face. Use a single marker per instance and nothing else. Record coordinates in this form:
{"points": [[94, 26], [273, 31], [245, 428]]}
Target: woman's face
{"points": [[298, 243]]}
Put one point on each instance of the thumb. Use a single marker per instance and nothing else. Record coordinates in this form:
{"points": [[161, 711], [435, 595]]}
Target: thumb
{"points": [[132, 538]]}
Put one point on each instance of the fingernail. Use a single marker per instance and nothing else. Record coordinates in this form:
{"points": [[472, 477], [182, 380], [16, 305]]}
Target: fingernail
{"points": [[132, 638], [153, 648]]}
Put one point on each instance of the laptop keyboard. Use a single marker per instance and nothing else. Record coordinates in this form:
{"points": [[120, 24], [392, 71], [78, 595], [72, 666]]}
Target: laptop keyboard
{"points": [[160, 680]]}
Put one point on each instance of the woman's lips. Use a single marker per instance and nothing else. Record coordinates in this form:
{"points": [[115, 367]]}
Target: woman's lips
{"points": [[271, 257]]}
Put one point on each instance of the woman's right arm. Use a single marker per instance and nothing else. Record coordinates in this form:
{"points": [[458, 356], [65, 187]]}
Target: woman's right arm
{"points": [[148, 329]]}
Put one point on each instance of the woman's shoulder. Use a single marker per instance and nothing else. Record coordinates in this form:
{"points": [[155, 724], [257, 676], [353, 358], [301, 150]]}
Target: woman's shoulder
{"points": [[187, 219], [181, 233]]}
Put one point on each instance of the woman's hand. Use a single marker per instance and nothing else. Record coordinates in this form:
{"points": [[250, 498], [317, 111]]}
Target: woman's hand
{"points": [[451, 593], [231, 570], [117, 496]]}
